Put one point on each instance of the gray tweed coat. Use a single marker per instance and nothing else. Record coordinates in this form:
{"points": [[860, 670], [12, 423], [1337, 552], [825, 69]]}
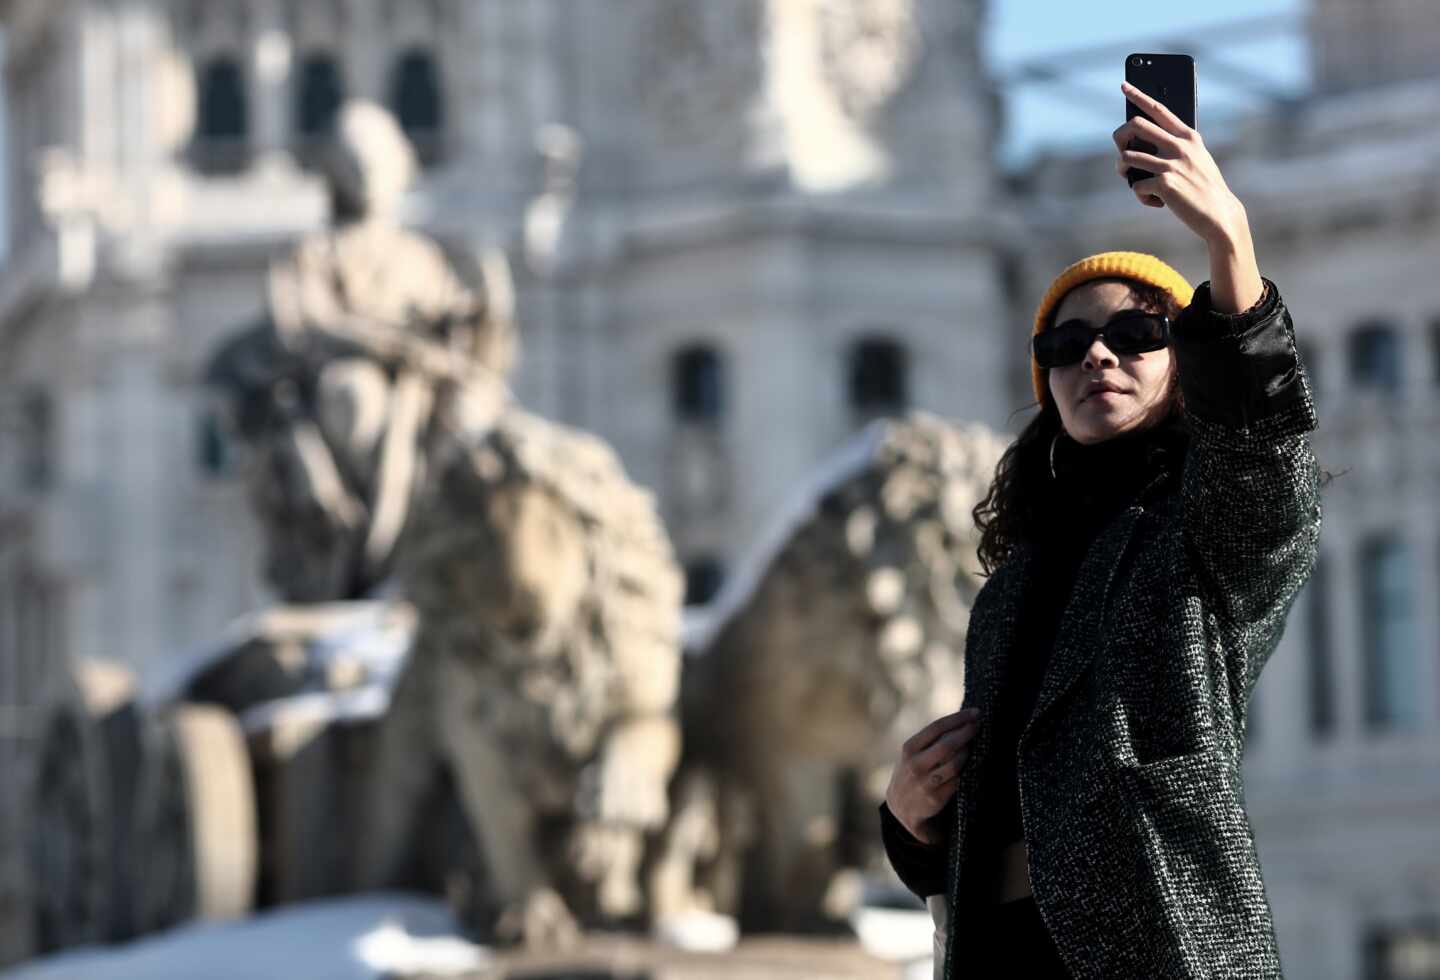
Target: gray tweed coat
{"points": [[1142, 860]]}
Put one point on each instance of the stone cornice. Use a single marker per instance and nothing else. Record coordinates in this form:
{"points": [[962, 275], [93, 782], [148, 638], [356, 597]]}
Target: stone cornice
{"points": [[840, 222]]}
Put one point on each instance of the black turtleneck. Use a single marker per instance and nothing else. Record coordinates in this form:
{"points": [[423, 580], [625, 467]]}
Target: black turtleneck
{"points": [[1092, 484]]}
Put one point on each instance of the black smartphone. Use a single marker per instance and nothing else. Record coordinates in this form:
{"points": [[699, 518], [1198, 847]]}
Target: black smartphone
{"points": [[1170, 78]]}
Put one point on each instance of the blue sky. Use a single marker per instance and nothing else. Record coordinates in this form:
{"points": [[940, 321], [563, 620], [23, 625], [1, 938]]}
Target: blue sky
{"points": [[1023, 30]]}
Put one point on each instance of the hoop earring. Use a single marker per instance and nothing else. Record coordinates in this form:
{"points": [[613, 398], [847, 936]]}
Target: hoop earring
{"points": [[1053, 443]]}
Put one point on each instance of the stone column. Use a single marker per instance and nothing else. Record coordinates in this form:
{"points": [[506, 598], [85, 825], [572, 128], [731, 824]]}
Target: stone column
{"points": [[1279, 707], [366, 65], [490, 131], [1347, 638], [270, 65], [78, 552], [10, 693], [140, 495], [1425, 535]]}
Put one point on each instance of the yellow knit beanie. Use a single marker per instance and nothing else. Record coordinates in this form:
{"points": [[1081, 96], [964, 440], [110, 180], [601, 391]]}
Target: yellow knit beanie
{"points": [[1106, 265]]}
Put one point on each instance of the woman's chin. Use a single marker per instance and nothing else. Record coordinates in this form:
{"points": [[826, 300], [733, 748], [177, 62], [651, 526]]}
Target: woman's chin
{"points": [[1099, 426]]}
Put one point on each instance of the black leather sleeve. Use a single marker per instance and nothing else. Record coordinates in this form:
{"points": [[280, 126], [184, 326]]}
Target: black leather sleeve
{"points": [[920, 866], [1237, 369]]}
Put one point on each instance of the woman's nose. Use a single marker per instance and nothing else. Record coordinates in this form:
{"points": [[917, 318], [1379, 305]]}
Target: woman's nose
{"points": [[1099, 354]]}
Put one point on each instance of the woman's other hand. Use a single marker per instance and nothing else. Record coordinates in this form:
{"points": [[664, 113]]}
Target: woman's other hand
{"points": [[929, 768]]}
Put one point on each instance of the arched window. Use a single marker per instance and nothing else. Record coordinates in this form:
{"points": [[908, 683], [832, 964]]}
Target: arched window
{"points": [[1435, 350], [213, 443], [1392, 639], [318, 94], [698, 385], [36, 430], [703, 578], [1320, 666], [222, 130], [1403, 950], [879, 382], [1376, 359], [419, 103]]}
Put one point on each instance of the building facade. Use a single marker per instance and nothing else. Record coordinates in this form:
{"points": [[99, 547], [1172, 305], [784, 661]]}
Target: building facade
{"points": [[757, 237]]}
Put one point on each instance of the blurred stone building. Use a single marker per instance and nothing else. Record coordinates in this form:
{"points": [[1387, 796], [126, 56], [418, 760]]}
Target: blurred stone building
{"points": [[763, 223], [779, 227]]}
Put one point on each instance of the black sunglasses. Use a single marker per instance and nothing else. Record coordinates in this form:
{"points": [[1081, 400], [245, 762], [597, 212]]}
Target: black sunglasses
{"points": [[1133, 332]]}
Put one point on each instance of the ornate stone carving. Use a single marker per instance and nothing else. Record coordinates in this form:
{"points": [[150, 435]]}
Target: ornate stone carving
{"points": [[539, 694], [868, 51], [371, 345], [699, 64]]}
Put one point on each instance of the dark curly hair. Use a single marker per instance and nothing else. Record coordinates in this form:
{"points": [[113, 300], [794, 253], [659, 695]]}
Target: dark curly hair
{"points": [[1009, 513]]}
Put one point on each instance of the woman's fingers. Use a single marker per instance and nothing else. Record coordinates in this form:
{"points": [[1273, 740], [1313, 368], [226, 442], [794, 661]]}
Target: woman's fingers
{"points": [[928, 772], [938, 794], [1145, 161], [1168, 153], [1122, 135], [1156, 110], [948, 771], [943, 749], [1167, 144], [1144, 131], [926, 736], [1149, 192]]}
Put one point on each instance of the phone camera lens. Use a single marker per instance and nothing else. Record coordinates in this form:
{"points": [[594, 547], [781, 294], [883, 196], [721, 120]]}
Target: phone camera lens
{"points": [[1137, 61]]}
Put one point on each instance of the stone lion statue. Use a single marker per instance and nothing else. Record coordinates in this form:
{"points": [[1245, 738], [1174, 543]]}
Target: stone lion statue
{"points": [[838, 639], [545, 674]]}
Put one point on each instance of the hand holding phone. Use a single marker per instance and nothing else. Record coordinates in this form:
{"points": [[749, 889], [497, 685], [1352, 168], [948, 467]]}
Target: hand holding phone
{"points": [[1185, 178], [1180, 174], [1167, 78]]}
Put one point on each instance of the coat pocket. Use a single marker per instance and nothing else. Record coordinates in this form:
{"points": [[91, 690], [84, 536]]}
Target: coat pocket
{"points": [[1175, 771], [1197, 846], [1186, 805], [1182, 794]]}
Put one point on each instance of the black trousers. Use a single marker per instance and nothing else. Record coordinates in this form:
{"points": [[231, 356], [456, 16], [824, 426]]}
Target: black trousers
{"points": [[1011, 942]]}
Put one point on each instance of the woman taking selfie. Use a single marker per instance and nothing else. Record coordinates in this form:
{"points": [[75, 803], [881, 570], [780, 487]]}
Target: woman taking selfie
{"points": [[1144, 537]]}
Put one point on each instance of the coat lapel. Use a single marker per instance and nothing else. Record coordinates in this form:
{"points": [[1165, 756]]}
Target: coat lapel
{"points": [[992, 623], [1076, 638]]}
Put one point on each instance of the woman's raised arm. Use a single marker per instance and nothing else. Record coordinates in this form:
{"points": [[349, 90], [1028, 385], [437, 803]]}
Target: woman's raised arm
{"points": [[1250, 489]]}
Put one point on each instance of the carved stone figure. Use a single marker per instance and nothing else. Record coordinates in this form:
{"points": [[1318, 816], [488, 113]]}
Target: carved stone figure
{"points": [[539, 695], [869, 51], [369, 343], [825, 651], [698, 64]]}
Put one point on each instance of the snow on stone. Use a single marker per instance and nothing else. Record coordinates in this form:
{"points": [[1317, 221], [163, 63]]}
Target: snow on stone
{"points": [[700, 626], [363, 937]]}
